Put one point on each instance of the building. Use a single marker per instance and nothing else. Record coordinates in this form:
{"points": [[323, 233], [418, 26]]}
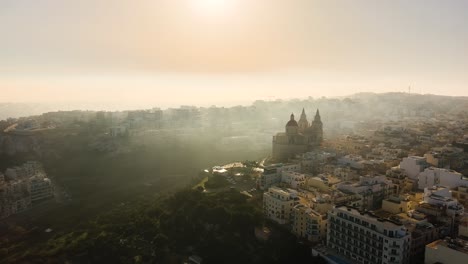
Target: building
{"points": [[353, 161], [463, 227], [299, 137], [278, 204], [313, 161], [294, 179], [41, 189], [346, 173], [401, 181], [448, 157], [269, 177], [32, 168], [365, 238], [372, 190], [422, 233], [308, 224], [461, 194], [442, 197], [413, 165], [21, 186], [397, 204], [347, 198], [319, 182], [441, 177], [272, 174], [453, 251]]}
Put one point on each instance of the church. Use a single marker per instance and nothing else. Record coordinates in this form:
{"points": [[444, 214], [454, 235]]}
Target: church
{"points": [[299, 137]]}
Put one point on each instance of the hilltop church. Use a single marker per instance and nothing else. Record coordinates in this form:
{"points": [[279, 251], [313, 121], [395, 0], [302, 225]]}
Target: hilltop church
{"points": [[299, 137]]}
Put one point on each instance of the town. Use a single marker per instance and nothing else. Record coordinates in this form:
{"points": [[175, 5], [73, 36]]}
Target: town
{"points": [[234, 131], [396, 196], [391, 190]]}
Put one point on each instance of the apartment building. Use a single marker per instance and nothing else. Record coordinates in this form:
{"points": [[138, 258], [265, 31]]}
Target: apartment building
{"points": [[41, 189], [366, 238], [272, 174], [371, 190], [278, 204], [308, 223], [441, 177], [413, 165]]}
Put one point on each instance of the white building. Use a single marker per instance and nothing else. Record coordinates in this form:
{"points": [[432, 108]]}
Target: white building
{"points": [[294, 179], [273, 174], [354, 161], [345, 173], [442, 197], [441, 177], [413, 165], [313, 160], [278, 204], [41, 188], [372, 190], [365, 238]]}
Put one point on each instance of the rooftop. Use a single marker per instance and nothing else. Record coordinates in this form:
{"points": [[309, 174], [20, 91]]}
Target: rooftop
{"points": [[416, 158], [286, 192], [371, 216], [455, 244]]}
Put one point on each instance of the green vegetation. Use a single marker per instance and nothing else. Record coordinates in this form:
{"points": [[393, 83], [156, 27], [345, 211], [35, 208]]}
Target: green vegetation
{"points": [[250, 163], [219, 227], [201, 185], [94, 174], [216, 181]]}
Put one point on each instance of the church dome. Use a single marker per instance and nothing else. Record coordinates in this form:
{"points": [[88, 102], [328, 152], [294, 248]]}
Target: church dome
{"points": [[292, 122]]}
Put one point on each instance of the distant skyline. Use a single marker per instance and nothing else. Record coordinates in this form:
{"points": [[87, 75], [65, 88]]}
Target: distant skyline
{"points": [[227, 52]]}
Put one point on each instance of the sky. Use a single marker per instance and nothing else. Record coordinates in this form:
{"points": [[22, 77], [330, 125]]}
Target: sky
{"points": [[225, 52]]}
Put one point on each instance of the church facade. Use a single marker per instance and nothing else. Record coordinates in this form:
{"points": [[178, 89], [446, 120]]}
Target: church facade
{"points": [[298, 138]]}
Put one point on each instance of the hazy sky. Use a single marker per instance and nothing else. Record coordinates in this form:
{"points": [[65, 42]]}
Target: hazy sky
{"points": [[229, 51]]}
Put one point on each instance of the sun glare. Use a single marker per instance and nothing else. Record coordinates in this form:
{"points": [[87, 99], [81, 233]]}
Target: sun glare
{"points": [[213, 7]]}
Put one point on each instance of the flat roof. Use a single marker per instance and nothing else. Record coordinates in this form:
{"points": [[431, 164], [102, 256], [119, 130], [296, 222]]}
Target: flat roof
{"points": [[370, 215], [458, 244]]}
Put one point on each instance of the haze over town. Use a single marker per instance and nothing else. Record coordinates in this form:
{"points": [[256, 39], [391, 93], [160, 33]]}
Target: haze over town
{"points": [[240, 51], [234, 131]]}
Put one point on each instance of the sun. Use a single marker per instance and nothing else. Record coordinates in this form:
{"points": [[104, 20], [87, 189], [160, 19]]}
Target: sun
{"points": [[213, 7]]}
